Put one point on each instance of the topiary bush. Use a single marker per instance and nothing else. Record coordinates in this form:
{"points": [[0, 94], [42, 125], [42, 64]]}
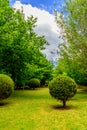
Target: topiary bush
{"points": [[62, 88], [6, 86], [34, 83]]}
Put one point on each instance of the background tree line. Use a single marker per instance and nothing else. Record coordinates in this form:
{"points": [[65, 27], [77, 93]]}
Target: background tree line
{"points": [[73, 51]]}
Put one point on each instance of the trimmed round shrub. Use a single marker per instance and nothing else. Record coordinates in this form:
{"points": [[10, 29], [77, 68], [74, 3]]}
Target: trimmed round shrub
{"points": [[34, 83], [62, 88], [6, 86]]}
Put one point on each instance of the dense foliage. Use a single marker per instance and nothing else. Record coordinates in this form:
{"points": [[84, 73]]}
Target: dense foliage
{"points": [[34, 83], [20, 47], [62, 88], [73, 52], [40, 68], [6, 86]]}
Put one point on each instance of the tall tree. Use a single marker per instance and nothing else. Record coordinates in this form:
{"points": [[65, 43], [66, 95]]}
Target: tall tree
{"points": [[19, 44], [73, 51]]}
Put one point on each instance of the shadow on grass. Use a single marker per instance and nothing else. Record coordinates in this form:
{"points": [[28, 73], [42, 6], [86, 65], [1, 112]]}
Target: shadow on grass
{"points": [[80, 95], [3, 103], [82, 91], [30, 95], [60, 107]]}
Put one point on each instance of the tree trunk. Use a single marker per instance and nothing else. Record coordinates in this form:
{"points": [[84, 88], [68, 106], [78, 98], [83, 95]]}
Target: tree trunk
{"points": [[64, 103]]}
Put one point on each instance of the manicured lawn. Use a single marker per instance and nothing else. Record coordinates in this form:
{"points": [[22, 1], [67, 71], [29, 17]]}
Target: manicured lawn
{"points": [[37, 110]]}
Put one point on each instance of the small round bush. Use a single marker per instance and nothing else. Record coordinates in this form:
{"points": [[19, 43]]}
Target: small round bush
{"points": [[62, 88], [34, 83], [6, 86]]}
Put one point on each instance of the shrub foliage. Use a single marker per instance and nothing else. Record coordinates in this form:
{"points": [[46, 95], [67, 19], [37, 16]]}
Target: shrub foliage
{"points": [[34, 83], [62, 88], [6, 86]]}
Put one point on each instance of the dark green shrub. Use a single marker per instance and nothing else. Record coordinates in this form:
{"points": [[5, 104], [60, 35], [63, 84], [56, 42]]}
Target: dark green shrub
{"points": [[6, 86], [34, 83], [62, 88], [46, 83]]}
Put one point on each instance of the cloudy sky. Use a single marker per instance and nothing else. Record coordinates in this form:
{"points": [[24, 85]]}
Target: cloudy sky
{"points": [[43, 10]]}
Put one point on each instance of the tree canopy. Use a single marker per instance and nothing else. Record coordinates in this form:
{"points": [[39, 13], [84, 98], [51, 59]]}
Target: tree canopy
{"points": [[73, 54], [20, 47]]}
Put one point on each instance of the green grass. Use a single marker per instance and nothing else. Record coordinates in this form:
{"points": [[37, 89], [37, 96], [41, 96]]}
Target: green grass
{"points": [[37, 110]]}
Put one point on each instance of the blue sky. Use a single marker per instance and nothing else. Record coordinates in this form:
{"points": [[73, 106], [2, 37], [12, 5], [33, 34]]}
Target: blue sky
{"points": [[48, 5]]}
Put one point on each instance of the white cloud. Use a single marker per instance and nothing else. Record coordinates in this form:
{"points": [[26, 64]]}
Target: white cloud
{"points": [[45, 26]]}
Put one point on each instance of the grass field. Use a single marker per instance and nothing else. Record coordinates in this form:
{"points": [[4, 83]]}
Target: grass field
{"points": [[37, 110]]}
